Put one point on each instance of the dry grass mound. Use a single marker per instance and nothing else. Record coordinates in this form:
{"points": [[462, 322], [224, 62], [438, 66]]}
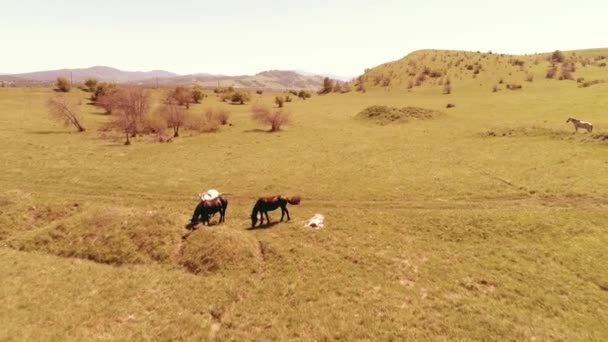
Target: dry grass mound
{"points": [[383, 115], [107, 235], [219, 249], [535, 131], [19, 213]]}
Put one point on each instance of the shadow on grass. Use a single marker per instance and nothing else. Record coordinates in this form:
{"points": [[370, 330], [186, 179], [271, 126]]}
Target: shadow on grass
{"points": [[265, 226], [257, 130], [49, 132]]}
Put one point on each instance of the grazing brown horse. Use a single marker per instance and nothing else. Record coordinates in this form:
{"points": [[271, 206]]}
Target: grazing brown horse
{"points": [[266, 204], [209, 207]]}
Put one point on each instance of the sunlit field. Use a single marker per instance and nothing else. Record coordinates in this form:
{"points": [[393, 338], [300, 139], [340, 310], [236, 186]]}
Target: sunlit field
{"points": [[486, 222]]}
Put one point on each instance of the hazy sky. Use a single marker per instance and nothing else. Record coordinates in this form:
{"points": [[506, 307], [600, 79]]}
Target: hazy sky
{"points": [[246, 36]]}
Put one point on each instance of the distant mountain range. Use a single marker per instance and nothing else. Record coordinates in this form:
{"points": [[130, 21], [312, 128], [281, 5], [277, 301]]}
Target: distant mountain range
{"points": [[273, 79]]}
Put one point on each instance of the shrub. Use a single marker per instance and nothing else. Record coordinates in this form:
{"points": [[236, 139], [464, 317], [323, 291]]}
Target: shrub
{"points": [[601, 65], [90, 84], [276, 119], [156, 124], [328, 86], [240, 97], [494, 88], [279, 101], [551, 72], [557, 56], [450, 105], [197, 94], [530, 77], [447, 87], [182, 96], [259, 92], [208, 121], [288, 98], [304, 94], [63, 85]]}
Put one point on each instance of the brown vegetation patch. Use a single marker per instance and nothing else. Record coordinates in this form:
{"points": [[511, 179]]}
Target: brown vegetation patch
{"points": [[383, 115], [536, 131], [107, 235], [217, 249]]}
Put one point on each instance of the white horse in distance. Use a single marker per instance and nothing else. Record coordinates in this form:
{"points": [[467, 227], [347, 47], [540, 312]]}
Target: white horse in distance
{"points": [[580, 124]]}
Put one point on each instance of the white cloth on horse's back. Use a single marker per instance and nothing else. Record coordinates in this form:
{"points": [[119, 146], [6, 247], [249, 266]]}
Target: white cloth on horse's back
{"points": [[209, 195], [316, 221]]}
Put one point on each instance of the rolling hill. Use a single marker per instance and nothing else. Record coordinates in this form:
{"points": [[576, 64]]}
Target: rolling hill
{"points": [[432, 69], [272, 79], [101, 73]]}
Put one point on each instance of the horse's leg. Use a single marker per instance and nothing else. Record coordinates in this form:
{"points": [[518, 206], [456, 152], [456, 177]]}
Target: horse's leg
{"points": [[267, 218], [283, 212], [287, 212]]}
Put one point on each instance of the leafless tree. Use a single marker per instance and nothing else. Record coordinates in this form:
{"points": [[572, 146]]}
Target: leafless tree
{"points": [[64, 110], [131, 106], [174, 115]]}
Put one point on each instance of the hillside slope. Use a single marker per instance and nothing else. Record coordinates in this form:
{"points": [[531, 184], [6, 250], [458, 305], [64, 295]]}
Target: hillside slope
{"points": [[432, 69]]}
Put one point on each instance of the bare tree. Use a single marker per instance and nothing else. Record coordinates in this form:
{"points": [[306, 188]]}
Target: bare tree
{"points": [[64, 110], [265, 115], [131, 106], [174, 115]]}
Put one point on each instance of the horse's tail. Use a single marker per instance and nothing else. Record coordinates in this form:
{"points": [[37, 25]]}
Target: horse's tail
{"points": [[295, 200]]}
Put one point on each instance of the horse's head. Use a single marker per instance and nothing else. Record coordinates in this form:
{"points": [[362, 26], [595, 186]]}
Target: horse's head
{"points": [[254, 216]]}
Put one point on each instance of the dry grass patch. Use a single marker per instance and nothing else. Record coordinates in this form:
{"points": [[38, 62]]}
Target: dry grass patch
{"points": [[383, 115], [107, 235], [218, 249]]}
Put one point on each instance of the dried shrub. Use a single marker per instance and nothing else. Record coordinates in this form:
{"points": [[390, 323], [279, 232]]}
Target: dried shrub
{"points": [[279, 100], [305, 94], [208, 121], [240, 97], [276, 119], [495, 88], [157, 125], [447, 87], [63, 85], [530, 78], [551, 72], [557, 56]]}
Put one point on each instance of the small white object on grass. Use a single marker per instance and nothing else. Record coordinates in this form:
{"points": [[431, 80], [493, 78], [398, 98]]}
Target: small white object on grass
{"points": [[316, 221]]}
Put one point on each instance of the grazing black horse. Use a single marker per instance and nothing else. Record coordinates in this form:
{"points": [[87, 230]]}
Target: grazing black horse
{"points": [[207, 208], [266, 204]]}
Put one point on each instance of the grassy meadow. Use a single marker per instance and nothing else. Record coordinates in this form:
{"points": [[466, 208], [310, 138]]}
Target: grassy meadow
{"points": [[487, 222]]}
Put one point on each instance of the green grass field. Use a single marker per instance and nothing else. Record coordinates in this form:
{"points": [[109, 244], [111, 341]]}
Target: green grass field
{"points": [[488, 222]]}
